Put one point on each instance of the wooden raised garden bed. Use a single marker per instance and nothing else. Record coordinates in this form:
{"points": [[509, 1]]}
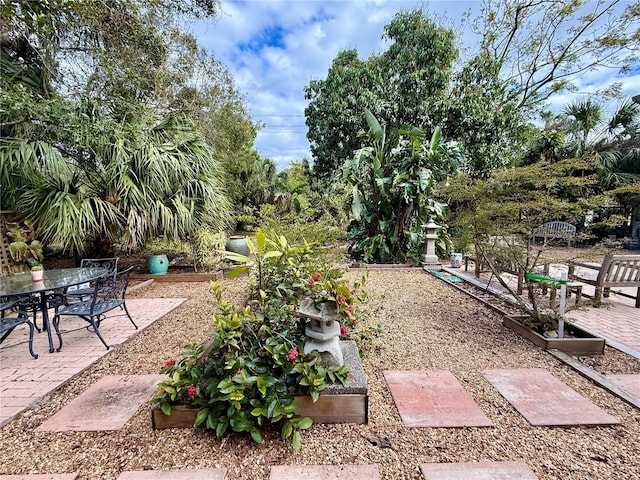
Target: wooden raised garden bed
{"points": [[337, 403], [349, 408], [580, 342]]}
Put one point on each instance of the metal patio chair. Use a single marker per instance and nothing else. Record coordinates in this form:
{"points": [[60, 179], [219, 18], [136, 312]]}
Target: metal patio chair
{"points": [[9, 323], [86, 290], [29, 304], [108, 294]]}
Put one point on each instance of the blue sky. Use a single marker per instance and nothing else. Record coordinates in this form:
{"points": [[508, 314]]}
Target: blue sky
{"points": [[274, 48]]}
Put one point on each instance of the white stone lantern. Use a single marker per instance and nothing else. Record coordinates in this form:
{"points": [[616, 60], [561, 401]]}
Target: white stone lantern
{"points": [[322, 330], [429, 259]]}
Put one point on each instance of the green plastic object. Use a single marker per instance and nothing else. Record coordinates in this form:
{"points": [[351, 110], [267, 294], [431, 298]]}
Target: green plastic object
{"points": [[541, 278]]}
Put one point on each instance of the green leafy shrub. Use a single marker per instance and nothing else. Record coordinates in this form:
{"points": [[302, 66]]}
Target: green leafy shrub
{"points": [[283, 274], [206, 246], [323, 229], [247, 376]]}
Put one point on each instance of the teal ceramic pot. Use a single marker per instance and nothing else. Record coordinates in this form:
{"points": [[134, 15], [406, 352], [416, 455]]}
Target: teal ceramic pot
{"points": [[237, 244], [158, 264]]}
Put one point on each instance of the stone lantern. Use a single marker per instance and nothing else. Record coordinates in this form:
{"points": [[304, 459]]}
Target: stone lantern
{"points": [[322, 330], [429, 259]]}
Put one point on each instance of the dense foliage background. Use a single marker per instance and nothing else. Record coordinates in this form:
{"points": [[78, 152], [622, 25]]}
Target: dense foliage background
{"points": [[117, 127]]}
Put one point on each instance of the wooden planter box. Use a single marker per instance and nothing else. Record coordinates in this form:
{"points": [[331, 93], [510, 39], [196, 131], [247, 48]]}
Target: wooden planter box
{"points": [[179, 277], [337, 403], [348, 408], [582, 342]]}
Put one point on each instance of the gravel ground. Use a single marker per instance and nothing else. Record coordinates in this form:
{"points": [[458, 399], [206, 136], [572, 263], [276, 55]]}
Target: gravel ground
{"points": [[425, 324]]}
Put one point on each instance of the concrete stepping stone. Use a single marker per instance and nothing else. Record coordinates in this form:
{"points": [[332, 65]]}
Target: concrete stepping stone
{"points": [[41, 476], [630, 382], [325, 472], [186, 474], [107, 405], [544, 400], [433, 399], [477, 471]]}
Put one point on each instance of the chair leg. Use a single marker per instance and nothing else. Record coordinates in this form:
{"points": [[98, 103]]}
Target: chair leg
{"points": [[597, 297], [6, 334], [35, 324], [31, 328], [96, 330], [30, 325], [520, 286], [124, 305], [92, 323], [56, 326]]}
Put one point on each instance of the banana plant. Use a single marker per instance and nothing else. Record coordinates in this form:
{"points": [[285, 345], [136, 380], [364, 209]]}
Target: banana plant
{"points": [[392, 181]]}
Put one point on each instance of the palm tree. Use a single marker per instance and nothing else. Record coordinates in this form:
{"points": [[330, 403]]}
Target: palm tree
{"points": [[125, 183], [619, 147], [581, 118], [613, 146]]}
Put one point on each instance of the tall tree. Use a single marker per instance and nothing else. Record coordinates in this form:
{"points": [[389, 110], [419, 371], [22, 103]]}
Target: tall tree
{"points": [[542, 46], [405, 84], [582, 117], [613, 146], [415, 69], [102, 120], [334, 113], [484, 119]]}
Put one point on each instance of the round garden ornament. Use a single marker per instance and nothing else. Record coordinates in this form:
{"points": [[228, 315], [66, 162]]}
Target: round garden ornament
{"points": [[158, 264], [237, 244]]}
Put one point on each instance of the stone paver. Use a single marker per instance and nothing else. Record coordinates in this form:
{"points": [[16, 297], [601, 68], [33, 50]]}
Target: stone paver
{"points": [[185, 474], [325, 472], [107, 405], [544, 400], [45, 476], [24, 381], [477, 471], [630, 382], [433, 399], [618, 322]]}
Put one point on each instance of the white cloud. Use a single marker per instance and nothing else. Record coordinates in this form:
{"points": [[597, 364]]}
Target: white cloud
{"points": [[309, 35]]}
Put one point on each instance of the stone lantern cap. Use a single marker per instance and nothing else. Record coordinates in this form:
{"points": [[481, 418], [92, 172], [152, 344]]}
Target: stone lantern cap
{"points": [[431, 224], [328, 310]]}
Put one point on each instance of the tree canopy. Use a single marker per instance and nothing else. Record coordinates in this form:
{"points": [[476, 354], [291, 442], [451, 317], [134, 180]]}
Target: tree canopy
{"points": [[403, 85], [542, 46], [529, 50], [114, 122]]}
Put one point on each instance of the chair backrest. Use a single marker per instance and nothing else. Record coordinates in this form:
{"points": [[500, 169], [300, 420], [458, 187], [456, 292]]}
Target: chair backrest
{"points": [[115, 287], [620, 271], [111, 264]]}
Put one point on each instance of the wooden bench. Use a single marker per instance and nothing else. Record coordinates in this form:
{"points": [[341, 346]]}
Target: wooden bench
{"points": [[555, 229], [479, 267], [615, 271]]}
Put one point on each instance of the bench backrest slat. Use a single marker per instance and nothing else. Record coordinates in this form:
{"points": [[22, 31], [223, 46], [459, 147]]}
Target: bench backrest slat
{"points": [[557, 227], [620, 270]]}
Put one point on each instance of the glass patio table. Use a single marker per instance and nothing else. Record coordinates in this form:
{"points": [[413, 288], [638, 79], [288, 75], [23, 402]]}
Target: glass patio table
{"points": [[21, 285]]}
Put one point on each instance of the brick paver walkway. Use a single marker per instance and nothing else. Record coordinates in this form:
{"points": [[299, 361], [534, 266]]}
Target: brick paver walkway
{"points": [[24, 381]]}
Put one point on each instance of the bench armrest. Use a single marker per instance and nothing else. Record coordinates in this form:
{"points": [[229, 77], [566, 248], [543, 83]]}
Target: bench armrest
{"points": [[592, 266]]}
